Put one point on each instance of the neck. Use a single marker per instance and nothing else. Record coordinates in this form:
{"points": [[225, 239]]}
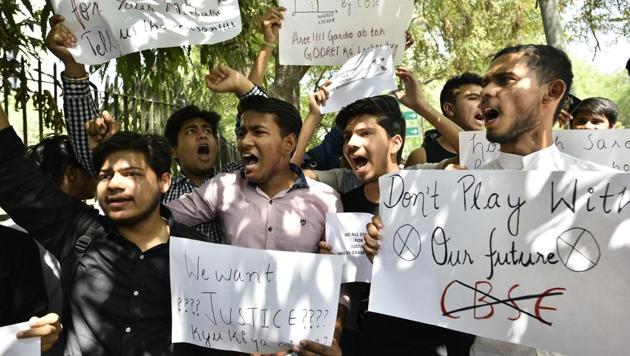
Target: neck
{"points": [[148, 233], [529, 143], [280, 181], [195, 178], [372, 191]]}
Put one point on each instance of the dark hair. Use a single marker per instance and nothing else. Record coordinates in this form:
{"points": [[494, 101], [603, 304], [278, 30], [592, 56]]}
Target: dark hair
{"points": [[286, 115], [155, 149], [598, 105], [384, 107], [550, 63], [179, 117], [53, 155], [450, 87]]}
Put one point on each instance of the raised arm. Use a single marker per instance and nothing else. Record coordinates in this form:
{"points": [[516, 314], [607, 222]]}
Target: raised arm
{"points": [[270, 23], [78, 103], [413, 98], [311, 123]]}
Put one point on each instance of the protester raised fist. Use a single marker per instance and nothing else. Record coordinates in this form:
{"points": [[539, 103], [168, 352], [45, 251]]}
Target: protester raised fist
{"points": [[58, 40], [224, 79], [271, 23], [318, 98], [101, 129]]}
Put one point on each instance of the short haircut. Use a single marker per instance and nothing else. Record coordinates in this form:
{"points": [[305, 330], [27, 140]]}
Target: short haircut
{"points": [[179, 117], [597, 105], [548, 62], [384, 107], [449, 89], [155, 149], [53, 155], [286, 115]]}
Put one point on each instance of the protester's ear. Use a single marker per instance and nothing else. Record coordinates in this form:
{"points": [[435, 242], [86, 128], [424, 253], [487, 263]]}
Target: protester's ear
{"points": [[165, 182], [289, 143], [555, 91], [396, 144], [174, 152], [449, 109]]}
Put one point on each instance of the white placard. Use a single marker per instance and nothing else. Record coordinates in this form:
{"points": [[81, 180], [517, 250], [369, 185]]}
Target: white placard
{"points": [[10, 345], [367, 74], [344, 232], [610, 148], [249, 300], [329, 32], [531, 257], [109, 29]]}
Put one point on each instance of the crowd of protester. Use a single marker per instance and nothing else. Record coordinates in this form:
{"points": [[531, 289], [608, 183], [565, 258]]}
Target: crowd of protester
{"points": [[95, 280]]}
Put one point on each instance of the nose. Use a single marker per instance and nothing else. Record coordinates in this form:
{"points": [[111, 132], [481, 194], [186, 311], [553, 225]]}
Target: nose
{"points": [[116, 183], [489, 90], [244, 141], [354, 143], [202, 134]]}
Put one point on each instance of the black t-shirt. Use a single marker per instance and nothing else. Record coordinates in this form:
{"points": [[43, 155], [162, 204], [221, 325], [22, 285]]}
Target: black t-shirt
{"points": [[22, 289], [387, 335], [434, 151]]}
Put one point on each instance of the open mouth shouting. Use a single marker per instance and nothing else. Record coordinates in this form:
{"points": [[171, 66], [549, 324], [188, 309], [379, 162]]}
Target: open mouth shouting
{"points": [[359, 164], [490, 115], [203, 151], [250, 161]]}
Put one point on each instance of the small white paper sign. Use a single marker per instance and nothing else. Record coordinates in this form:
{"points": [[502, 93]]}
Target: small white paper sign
{"points": [[10, 345], [344, 232], [109, 29], [329, 32], [367, 74], [249, 300], [610, 148], [528, 257]]}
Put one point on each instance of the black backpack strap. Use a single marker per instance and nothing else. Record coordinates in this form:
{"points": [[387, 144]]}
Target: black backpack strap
{"points": [[80, 248]]}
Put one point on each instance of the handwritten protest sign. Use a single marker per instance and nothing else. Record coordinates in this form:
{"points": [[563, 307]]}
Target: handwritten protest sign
{"points": [[329, 32], [248, 300], [344, 232], [607, 147], [533, 257], [367, 74], [110, 29], [10, 345]]}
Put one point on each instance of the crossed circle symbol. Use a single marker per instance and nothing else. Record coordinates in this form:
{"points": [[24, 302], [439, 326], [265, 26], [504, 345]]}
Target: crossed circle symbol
{"points": [[407, 244], [578, 249]]}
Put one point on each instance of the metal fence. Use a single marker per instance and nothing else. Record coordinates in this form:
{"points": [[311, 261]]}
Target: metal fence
{"points": [[135, 106]]}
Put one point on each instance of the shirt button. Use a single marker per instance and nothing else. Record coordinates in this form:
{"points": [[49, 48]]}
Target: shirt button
{"points": [[135, 293], [127, 329], [142, 257], [269, 229], [270, 201]]}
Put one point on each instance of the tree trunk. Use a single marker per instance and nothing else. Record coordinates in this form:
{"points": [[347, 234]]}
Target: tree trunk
{"points": [[286, 84], [551, 23]]}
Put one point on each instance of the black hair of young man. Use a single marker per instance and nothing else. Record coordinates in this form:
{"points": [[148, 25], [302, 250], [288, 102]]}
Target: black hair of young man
{"points": [[385, 108], [448, 93], [286, 115], [548, 62], [598, 105], [154, 148], [179, 117], [53, 155]]}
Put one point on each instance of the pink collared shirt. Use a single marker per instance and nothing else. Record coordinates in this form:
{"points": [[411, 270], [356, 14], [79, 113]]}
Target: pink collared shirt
{"points": [[292, 220]]}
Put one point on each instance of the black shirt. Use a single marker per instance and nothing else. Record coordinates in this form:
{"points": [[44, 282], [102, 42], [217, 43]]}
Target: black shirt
{"points": [[434, 151], [22, 289], [119, 298]]}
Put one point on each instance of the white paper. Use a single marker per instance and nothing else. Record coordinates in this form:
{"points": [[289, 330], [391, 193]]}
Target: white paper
{"points": [[110, 29], [444, 232], [10, 345], [345, 232], [367, 74], [607, 147], [249, 300], [329, 32]]}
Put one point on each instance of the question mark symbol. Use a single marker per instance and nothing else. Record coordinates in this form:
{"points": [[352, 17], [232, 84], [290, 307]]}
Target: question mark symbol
{"points": [[197, 310], [318, 316], [304, 318], [179, 302], [310, 321]]}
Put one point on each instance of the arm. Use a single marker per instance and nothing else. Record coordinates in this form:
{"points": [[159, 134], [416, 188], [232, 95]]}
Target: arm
{"points": [[311, 122], [413, 98], [418, 156], [271, 23], [32, 200], [47, 328], [198, 206], [78, 104]]}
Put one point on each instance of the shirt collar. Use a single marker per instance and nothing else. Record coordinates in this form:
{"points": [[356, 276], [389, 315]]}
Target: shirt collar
{"points": [[181, 177], [535, 160], [300, 182]]}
